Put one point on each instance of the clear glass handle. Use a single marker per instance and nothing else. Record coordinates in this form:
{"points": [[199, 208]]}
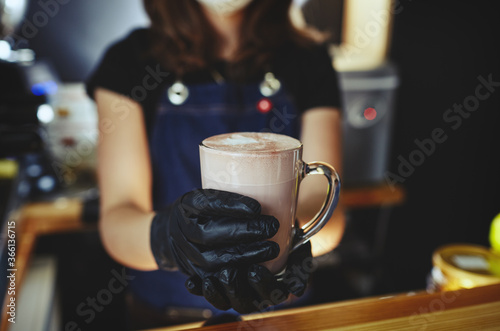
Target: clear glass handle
{"points": [[331, 200]]}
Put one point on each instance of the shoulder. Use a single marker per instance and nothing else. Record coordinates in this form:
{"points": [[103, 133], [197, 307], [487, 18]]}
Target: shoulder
{"points": [[134, 46], [123, 58], [126, 66]]}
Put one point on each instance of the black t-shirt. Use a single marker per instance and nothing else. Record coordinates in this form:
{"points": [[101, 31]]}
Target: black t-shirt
{"points": [[127, 69]]}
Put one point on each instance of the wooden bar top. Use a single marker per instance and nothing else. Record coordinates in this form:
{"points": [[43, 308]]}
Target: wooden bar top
{"points": [[468, 309], [63, 215]]}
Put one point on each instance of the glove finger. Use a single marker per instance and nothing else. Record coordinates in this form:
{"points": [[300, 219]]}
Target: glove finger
{"points": [[299, 268], [239, 293], [241, 254], [296, 284], [270, 290], [214, 293], [225, 230], [302, 256], [194, 285], [216, 202]]}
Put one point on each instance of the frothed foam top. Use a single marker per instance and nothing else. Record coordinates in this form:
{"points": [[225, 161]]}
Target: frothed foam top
{"points": [[251, 142]]}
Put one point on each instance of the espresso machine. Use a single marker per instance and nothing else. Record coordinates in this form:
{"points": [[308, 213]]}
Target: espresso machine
{"points": [[18, 104], [26, 86]]}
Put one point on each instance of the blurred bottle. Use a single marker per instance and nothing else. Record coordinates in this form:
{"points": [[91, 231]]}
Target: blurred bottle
{"points": [[495, 234]]}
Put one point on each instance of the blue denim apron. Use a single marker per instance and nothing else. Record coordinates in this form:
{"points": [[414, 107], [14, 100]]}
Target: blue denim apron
{"points": [[177, 132]]}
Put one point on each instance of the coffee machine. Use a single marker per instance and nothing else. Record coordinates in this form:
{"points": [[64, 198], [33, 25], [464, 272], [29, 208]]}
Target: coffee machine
{"points": [[19, 132], [19, 124], [25, 88]]}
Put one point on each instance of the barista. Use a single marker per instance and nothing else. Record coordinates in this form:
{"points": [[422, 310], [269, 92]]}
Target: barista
{"points": [[206, 67]]}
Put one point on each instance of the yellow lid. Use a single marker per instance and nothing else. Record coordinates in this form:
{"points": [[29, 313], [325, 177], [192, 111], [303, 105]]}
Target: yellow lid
{"points": [[466, 265]]}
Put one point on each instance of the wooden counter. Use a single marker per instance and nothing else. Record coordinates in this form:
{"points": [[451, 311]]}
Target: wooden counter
{"points": [[63, 215], [35, 220], [468, 309]]}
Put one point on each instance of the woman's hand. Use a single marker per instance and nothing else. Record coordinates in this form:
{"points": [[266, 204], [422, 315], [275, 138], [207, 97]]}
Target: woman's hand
{"points": [[206, 230], [247, 289]]}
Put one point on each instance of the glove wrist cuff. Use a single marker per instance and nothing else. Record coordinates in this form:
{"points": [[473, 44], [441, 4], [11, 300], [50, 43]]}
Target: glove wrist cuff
{"points": [[159, 239]]}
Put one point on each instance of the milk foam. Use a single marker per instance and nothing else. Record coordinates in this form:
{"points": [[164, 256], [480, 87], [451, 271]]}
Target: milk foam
{"points": [[250, 158], [252, 142]]}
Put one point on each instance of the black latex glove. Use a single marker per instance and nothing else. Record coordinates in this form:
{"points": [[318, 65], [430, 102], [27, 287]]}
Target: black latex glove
{"points": [[254, 288], [206, 230]]}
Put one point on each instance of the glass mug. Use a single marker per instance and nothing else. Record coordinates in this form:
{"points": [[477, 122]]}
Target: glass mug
{"points": [[269, 168]]}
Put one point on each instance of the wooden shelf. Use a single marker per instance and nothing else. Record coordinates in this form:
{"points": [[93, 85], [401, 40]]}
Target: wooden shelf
{"points": [[372, 196]]}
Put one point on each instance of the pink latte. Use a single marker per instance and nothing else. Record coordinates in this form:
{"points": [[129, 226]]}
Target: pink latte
{"points": [[263, 166]]}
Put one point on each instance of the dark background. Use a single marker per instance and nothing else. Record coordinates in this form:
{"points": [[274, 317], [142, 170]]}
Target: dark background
{"points": [[440, 48]]}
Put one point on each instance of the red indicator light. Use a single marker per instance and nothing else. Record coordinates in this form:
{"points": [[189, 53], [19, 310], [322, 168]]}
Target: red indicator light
{"points": [[370, 113], [264, 105]]}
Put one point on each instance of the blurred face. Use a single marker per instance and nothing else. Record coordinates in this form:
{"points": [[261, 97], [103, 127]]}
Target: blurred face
{"points": [[225, 7]]}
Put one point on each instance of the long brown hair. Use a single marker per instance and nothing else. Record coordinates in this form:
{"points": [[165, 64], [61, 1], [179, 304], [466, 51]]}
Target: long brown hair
{"points": [[183, 40]]}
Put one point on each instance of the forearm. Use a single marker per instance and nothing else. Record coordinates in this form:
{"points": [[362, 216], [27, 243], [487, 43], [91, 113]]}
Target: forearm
{"points": [[125, 232], [124, 181]]}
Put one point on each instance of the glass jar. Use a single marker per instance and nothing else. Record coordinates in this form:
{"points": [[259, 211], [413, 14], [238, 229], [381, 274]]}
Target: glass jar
{"points": [[458, 266]]}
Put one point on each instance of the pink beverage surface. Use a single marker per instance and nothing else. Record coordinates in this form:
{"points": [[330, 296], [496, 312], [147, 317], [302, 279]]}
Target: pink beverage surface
{"points": [[276, 199], [252, 142]]}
